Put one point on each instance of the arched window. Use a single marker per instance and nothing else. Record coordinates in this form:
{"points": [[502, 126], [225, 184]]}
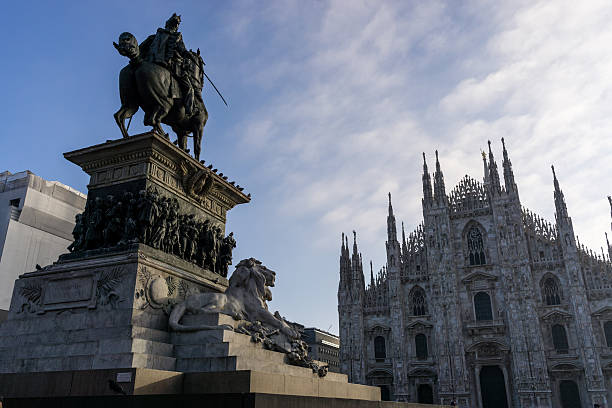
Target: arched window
{"points": [[559, 339], [417, 300], [420, 341], [608, 333], [550, 292], [380, 352], [475, 246], [482, 306]]}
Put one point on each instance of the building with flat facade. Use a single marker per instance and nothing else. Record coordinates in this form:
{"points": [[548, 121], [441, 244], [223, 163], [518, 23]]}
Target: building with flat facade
{"points": [[485, 303], [323, 346], [36, 222]]}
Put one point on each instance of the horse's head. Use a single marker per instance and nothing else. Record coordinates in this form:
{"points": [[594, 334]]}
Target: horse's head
{"points": [[128, 46], [194, 65]]}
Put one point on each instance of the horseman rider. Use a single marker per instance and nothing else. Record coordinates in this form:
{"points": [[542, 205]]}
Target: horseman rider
{"points": [[166, 48]]}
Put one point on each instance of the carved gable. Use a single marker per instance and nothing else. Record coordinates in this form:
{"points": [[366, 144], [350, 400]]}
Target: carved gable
{"points": [[603, 313], [557, 316], [475, 277], [419, 326], [378, 330]]}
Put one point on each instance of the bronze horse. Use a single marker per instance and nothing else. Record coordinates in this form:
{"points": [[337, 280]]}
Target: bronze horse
{"points": [[153, 88]]}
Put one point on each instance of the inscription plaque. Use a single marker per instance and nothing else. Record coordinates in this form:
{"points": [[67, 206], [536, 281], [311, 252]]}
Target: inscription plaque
{"points": [[69, 290]]}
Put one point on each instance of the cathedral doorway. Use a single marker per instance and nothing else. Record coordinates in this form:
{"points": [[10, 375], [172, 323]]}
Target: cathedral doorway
{"points": [[425, 394], [493, 387], [570, 396], [384, 380], [385, 393]]}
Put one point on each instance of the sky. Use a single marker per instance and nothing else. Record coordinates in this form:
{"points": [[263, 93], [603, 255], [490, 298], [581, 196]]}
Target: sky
{"points": [[331, 104]]}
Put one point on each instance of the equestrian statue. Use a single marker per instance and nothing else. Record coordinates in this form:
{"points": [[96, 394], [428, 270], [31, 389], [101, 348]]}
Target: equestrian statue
{"points": [[165, 80]]}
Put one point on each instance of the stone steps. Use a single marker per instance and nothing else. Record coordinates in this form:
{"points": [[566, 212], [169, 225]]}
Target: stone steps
{"points": [[49, 348], [88, 362], [36, 323], [210, 319], [224, 350], [102, 346], [93, 340], [234, 363], [209, 336], [151, 334], [227, 350]]}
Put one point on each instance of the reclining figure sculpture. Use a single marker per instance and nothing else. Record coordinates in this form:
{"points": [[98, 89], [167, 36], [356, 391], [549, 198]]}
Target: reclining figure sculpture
{"points": [[245, 300]]}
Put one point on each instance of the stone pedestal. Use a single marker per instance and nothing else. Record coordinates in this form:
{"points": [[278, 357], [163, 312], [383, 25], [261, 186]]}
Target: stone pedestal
{"points": [[105, 311], [149, 160], [107, 305]]}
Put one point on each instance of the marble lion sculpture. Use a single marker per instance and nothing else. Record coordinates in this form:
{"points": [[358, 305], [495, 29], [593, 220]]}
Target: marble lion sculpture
{"points": [[244, 299]]}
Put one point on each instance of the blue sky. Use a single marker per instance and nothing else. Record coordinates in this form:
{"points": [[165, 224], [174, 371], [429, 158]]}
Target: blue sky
{"points": [[331, 105]]}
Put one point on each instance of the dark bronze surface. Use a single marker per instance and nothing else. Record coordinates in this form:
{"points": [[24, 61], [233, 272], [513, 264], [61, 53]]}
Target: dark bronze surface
{"points": [[165, 80]]}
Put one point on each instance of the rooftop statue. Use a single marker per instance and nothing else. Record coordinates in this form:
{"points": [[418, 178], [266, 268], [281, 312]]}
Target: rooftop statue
{"points": [[165, 80]]}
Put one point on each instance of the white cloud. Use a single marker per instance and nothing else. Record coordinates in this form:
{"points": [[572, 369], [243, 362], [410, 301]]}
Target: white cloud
{"points": [[378, 83], [546, 91]]}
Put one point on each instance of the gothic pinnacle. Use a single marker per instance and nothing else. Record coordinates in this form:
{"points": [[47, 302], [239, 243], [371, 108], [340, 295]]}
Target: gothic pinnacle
{"points": [[610, 201], [508, 173], [560, 206], [439, 189], [371, 275], [555, 181], [391, 230], [485, 167], [354, 243], [493, 174], [427, 190]]}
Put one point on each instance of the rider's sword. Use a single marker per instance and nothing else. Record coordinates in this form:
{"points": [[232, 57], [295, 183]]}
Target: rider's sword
{"points": [[211, 82]]}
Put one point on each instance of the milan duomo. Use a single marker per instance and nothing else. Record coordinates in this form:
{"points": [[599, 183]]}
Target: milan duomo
{"points": [[484, 304]]}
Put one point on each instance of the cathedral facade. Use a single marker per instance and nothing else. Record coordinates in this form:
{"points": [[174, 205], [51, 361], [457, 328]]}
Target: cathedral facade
{"points": [[485, 304]]}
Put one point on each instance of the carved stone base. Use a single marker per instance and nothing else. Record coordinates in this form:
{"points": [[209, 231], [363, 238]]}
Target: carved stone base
{"points": [[145, 189], [106, 311], [149, 160]]}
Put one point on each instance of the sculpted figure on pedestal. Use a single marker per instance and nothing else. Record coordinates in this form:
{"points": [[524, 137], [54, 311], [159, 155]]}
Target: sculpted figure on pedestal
{"points": [[172, 234], [225, 254], [245, 299], [165, 80], [77, 234], [130, 220], [114, 222], [94, 218], [154, 220]]}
